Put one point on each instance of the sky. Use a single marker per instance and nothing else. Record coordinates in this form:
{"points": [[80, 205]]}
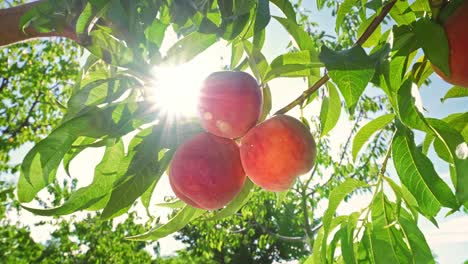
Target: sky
{"points": [[449, 242]]}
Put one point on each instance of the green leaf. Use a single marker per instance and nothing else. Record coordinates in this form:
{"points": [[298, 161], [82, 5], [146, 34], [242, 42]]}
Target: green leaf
{"points": [[174, 204], [334, 223], [237, 50], [189, 47], [343, 9], [83, 20], [421, 253], [303, 57], [315, 258], [331, 248], [400, 13], [280, 196], [321, 241], [286, 7], [230, 8], [266, 102], [404, 41], [138, 170], [421, 6], [351, 70], [97, 192], [294, 64], [257, 61], [97, 92], [320, 4], [421, 71], [330, 111], [347, 239], [374, 38], [455, 92], [407, 110], [391, 75], [365, 252], [236, 204], [181, 219], [368, 130], [459, 122], [431, 37], [387, 247], [241, 25], [155, 32], [402, 192], [336, 196], [262, 15], [40, 164], [303, 40], [457, 150], [417, 173], [74, 151], [147, 195], [92, 9], [110, 49]]}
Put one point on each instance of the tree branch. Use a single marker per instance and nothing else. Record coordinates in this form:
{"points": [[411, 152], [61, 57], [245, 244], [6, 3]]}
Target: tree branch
{"points": [[11, 32], [367, 33], [25, 121], [3, 84], [304, 95], [281, 237], [307, 228]]}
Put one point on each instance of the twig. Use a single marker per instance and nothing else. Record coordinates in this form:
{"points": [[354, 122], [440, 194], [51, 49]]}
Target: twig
{"points": [[378, 184], [304, 95], [367, 33], [280, 237], [436, 6], [375, 23], [348, 140], [307, 228], [24, 122]]}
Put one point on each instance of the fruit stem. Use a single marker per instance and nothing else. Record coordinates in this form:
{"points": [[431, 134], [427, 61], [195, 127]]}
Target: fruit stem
{"points": [[436, 5]]}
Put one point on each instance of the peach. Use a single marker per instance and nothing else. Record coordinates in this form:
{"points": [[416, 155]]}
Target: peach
{"points": [[230, 103], [455, 28], [206, 171], [274, 153]]}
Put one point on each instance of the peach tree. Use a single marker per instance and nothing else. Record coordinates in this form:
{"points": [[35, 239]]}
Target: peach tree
{"points": [[394, 46]]}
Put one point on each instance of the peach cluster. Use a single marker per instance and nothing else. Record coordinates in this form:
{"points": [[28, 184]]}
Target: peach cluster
{"points": [[209, 169]]}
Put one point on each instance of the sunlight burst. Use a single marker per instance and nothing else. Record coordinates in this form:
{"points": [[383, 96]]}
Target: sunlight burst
{"points": [[176, 89]]}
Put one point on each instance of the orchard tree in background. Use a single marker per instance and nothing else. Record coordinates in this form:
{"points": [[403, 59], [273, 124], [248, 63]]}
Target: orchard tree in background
{"points": [[73, 241], [36, 80], [404, 41]]}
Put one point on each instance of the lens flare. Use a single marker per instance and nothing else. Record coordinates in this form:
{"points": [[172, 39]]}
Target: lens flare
{"points": [[176, 89]]}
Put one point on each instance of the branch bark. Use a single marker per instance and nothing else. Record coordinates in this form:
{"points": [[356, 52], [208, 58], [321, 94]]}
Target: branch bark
{"points": [[11, 32], [367, 33]]}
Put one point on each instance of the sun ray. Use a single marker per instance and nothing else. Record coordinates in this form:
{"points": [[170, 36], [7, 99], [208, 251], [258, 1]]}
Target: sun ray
{"points": [[176, 89]]}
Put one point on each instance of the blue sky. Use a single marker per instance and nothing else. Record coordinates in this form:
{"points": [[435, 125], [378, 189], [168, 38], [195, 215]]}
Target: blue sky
{"points": [[449, 242]]}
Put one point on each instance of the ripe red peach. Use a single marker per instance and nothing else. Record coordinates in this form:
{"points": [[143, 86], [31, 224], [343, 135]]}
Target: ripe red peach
{"points": [[455, 28], [230, 103], [206, 171], [274, 153]]}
